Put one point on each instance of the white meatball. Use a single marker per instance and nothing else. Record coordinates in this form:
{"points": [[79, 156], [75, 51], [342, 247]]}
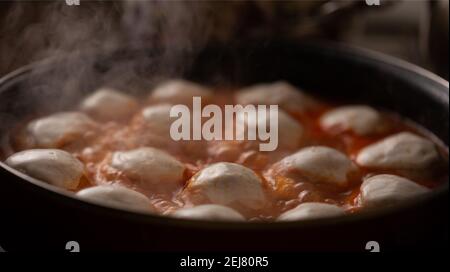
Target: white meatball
{"points": [[59, 128], [180, 92], [311, 211], [109, 104], [157, 131], [224, 151], [384, 190], [209, 212], [362, 120], [158, 119], [54, 166], [317, 164], [411, 155], [278, 93], [290, 131], [116, 197], [148, 165], [228, 184]]}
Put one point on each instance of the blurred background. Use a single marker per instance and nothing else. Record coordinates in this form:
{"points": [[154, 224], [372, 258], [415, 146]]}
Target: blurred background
{"points": [[414, 30]]}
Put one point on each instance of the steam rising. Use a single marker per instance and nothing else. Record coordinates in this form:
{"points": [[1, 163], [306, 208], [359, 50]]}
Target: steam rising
{"points": [[129, 45], [80, 41]]}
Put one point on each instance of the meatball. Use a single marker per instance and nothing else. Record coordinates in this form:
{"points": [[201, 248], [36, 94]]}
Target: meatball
{"points": [[157, 131], [180, 92], [385, 190], [290, 131], [311, 211], [53, 166], [157, 119], [404, 152], [316, 164], [362, 120], [109, 104], [227, 184], [116, 197], [278, 93], [224, 151], [209, 212], [149, 166], [59, 129]]}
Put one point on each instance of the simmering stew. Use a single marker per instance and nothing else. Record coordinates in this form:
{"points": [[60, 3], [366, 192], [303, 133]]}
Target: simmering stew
{"points": [[330, 160]]}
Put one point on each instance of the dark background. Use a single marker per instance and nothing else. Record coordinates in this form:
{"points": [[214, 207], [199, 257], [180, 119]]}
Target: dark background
{"points": [[416, 31]]}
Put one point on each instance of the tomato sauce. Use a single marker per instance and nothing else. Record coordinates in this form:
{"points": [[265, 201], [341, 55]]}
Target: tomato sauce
{"points": [[96, 148]]}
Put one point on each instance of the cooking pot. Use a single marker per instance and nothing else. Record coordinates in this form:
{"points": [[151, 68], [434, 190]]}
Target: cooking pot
{"points": [[37, 216]]}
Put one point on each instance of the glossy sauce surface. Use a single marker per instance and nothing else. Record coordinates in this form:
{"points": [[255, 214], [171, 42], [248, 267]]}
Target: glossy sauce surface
{"points": [[95, 149]]}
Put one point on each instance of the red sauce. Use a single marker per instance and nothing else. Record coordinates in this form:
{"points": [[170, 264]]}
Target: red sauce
{"points": [[95, 149]]}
